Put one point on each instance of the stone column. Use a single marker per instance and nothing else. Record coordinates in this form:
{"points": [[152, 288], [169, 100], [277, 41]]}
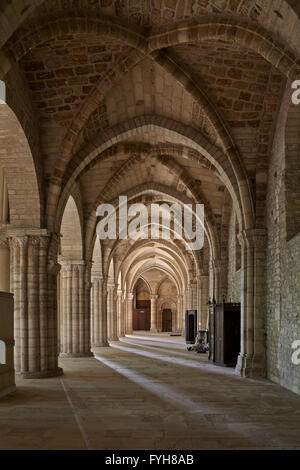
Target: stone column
{"points": [[154, 326], [251, 360], [204, 296], [185, 304], [180, 314], [85, 333], [194, 295], [211, 280], [109, 309], [120, 313], [100, 312], [99, 337], [220, 273], [34, 284], [188, 298], [75, 309], [5, 266], [112, 312], [129, 312]]}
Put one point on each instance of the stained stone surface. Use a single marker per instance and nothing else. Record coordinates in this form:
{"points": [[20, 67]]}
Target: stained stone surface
{"points": [[148, 392]]}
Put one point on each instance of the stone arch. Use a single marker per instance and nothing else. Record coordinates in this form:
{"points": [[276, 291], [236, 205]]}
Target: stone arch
{"points": [[161, 283], [240, 31], [71, 241], [137, 193], [237, 31], [111, 269], [75, 280], [139, 260], [145, 282], [20, 173], [174, 130], [48, 29], [174, 195], [167, 245], [12, 15], [142, 271], [96, 258], [119, 280], [110, 252]]}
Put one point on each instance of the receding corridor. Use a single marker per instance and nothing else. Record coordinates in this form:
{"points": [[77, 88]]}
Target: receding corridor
{"points": [[148, 392]]}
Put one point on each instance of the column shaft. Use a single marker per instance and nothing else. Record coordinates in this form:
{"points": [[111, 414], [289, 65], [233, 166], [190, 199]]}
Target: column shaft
{"points": [[33, 283], [129, 312], [154, 326], [75, 309], [5, 266], [252, 360]]}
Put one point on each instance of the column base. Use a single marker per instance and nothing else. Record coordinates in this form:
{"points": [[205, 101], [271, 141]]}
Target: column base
{"points": [[87, 354], [41, 374], [103, 344], [154, 330], [114, 339], [253, 366]]}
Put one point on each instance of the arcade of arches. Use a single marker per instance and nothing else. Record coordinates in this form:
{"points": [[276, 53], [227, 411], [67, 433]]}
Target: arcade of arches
{"points": [[167, 101]]}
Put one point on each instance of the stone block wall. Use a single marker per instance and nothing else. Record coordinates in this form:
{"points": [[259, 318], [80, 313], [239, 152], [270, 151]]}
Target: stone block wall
{"points": [[282, 320]]}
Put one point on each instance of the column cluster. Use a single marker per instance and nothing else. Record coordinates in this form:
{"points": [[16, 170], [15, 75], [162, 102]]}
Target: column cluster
{"points": [[75, 309], [112, 311], [99, 311], [33, 281], [252, 361]]}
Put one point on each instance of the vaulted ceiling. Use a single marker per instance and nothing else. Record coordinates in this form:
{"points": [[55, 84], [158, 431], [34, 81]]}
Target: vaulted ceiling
{"points": [[170, 97]]}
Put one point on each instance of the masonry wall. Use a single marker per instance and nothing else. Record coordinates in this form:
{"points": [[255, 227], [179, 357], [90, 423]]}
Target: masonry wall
{"points": [[283, 260]]}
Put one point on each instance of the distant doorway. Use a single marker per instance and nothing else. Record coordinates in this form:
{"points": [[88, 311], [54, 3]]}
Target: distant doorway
{"points": [[167, 319]]}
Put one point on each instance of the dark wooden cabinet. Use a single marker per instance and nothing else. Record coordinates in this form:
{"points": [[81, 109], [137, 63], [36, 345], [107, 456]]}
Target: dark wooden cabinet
{"points": [[190, 326], [224, 333], [211, 334]]}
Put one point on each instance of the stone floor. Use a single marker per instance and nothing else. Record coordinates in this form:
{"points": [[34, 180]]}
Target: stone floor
{"points": [[148, 392]]}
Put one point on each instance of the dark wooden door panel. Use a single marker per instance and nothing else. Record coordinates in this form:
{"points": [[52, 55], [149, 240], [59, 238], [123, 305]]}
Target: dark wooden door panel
{"points": [[167, 320], [141, 319]]}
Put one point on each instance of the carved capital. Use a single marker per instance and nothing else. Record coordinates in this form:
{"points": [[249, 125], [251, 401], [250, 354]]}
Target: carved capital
{"points": [[44, 242], [34, 242], [154, 296], [22, 242]]}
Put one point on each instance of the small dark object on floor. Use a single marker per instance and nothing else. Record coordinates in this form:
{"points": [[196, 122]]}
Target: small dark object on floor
{"points": [[201, 344]]}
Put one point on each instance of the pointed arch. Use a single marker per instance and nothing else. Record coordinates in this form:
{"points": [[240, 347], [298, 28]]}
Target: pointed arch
{"points": [[71, 246]]}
